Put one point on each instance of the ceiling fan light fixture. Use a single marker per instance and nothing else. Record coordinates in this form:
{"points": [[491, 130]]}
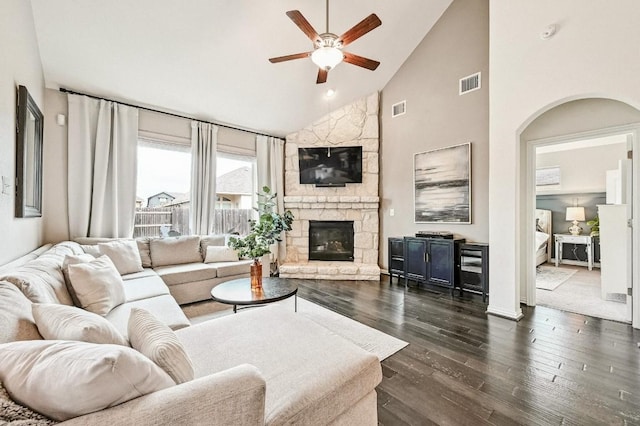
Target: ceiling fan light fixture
{"points": [[327, 57]]}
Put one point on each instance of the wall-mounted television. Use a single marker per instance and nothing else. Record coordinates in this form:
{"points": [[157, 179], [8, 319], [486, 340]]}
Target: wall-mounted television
{"points": [[330, 166]]}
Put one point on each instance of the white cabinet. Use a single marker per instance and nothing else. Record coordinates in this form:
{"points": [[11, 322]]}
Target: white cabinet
{"points": [[614, 249]]}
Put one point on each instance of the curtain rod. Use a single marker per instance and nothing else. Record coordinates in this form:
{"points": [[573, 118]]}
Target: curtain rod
{"points": [[73, 92]]}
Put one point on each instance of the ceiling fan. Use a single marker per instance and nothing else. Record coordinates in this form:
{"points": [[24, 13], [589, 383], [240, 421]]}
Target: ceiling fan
{"points": [[328, 51]]}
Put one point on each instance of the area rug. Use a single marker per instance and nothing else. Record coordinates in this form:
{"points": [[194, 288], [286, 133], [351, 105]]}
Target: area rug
{"points": [[378, 343], [550, 277]]}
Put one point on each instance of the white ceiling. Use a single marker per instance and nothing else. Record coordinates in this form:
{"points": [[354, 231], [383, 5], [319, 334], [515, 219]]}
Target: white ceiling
{"points": [[209, 58]]}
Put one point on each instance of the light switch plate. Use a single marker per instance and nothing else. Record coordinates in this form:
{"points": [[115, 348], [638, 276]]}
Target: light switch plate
{"points": [[392, 212]]}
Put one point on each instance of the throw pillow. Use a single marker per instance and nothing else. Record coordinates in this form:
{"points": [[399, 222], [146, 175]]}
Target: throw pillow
{"points": [[97, 284], [91, 249], [66, 379], [60, 322], [145, 251], [221, 254], [15, 315], [160, 344], [124, 254], [12, 413], [72, 259], [175, 251], [212, 240]]}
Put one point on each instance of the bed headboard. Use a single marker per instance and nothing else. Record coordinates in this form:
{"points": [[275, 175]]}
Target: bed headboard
{"points": [[543, 221]]}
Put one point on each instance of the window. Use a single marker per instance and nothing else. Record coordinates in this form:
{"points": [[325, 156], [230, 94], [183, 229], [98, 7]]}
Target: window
{"points": [[164, 182], [163, 190], [235, 189]]}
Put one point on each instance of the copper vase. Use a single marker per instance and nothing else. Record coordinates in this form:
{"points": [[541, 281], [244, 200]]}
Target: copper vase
{"points": [[256, 275]]}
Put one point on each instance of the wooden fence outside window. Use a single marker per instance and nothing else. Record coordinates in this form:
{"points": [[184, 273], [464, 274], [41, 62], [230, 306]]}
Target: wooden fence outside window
{"points": [[174, 220]]}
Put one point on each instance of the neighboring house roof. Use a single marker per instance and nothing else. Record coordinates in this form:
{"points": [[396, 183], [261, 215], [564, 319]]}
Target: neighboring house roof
{"points": [[167, 194], [235, 182], [238, 181]]}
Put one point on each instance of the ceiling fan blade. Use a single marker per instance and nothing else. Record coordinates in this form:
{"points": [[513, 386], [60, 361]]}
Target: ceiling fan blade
{"points": [[322, 76], [360, 61], [304, 25], [367, 24], [289, 57]]}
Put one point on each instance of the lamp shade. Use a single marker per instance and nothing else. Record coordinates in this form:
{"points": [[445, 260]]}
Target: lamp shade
{"points": [[575, 213], [327, 57]]}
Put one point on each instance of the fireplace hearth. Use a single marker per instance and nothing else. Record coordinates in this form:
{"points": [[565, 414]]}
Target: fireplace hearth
{"points": [[331, 240]]}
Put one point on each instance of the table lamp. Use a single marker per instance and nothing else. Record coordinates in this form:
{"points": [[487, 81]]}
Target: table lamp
{"points": [[575, 214]]}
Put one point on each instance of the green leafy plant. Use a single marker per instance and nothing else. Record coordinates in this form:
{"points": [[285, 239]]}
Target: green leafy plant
{"points": [[265, 231], [595, 226]]}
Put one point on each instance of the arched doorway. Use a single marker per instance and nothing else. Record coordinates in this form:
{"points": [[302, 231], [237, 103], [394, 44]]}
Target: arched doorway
{"points": [[572, 122]]}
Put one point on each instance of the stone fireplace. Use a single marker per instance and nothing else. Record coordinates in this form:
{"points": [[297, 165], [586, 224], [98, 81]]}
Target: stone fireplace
{"points": [[356, 204]]}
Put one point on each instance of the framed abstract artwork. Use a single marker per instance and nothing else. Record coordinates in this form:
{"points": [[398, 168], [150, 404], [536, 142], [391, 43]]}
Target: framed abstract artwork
{"points": [[442, 185]]}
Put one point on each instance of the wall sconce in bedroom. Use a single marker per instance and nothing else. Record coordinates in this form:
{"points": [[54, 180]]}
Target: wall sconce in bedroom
{"points": [[575, 214]]}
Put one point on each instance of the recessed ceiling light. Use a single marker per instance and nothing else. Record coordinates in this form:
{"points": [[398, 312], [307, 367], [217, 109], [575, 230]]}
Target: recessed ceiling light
{"points": [[330, 93]]}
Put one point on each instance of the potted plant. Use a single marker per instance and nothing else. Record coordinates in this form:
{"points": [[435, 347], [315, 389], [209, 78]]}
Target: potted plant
{"points": [[595, 226], [265, 231]]}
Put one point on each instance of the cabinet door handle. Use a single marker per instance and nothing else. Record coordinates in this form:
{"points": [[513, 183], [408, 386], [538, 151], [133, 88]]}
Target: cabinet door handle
{"points": [[426, 257]]}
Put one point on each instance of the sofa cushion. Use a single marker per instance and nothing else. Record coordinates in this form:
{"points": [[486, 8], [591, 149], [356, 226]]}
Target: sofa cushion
{"points": [[164, 307], [227, 269], [61, 322], [144, 287], [15, 315], [65, 379], [175, 251], [312, 374], [220, 254], [97, 285], [160, 344], [41, 279], [72, 259], [178, 274], [12, 413], [124, 254], [15, 264], [146, 272]]}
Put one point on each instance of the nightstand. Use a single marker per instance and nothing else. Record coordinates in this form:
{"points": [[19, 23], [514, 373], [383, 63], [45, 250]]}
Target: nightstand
{"points": [[587, 240]]}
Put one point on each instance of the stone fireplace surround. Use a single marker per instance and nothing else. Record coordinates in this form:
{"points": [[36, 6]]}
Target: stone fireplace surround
{"points": [[352, 125]]}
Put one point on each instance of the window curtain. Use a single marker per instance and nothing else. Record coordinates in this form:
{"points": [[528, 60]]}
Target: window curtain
{"points": [[102, 167], [204, 141], [270, 168]]}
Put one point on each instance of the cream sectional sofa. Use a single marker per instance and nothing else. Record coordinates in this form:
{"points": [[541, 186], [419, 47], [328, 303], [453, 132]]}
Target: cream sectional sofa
{"points": [[180, 266], [263, 366]]}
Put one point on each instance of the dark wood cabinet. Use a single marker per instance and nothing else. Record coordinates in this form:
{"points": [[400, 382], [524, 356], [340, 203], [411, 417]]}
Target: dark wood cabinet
{"points": [[396, 257], [415, 259], [474, 268], [432, 260]]}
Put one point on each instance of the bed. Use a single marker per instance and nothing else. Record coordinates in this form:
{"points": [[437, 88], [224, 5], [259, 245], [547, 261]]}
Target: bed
{"points": [[543, 236]]}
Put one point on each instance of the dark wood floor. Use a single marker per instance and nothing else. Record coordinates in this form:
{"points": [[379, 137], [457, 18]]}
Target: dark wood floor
{"points": [[463, 367]]}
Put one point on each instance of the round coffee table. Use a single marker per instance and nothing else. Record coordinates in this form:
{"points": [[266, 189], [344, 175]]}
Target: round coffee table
{"points": [[238, 292]]}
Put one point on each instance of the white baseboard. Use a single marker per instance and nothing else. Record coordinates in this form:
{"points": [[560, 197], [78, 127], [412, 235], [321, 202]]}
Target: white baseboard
{"points": [[515, 316]]}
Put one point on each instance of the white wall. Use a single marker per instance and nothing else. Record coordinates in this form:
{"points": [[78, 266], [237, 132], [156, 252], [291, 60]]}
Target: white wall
{"points": [[581, 170], [593, 54], [19, 65], [437, 117], [54, 198]]}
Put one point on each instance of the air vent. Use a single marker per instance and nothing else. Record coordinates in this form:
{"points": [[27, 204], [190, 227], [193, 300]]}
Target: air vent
{"points": [[470, 83], [399, 109]]}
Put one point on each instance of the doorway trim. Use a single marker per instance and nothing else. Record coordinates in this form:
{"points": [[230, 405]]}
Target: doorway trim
{"points": [[529, 204]]}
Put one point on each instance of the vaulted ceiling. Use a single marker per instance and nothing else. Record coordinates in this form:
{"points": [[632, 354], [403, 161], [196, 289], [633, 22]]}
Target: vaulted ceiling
{"points": [[209, 58]]}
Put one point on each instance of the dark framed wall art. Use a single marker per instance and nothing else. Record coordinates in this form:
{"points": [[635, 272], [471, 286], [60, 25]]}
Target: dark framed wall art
{"points": [[442, 185], [28, 156]]}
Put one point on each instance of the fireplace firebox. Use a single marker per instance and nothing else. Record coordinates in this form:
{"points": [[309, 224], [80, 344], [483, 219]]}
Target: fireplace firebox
{"points": [[331, 240]]}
